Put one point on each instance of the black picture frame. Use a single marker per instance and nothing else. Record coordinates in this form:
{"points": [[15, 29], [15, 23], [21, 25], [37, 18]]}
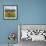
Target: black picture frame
{"points": [[10, 12]]}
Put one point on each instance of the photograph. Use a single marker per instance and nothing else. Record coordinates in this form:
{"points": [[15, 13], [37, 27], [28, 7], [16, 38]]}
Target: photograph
{"points": [[10, 12]]}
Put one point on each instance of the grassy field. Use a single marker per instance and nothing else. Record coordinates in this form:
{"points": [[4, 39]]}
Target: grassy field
{"points": [[10, 13]]}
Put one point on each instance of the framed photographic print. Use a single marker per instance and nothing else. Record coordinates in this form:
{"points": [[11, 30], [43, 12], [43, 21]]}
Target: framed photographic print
{"points": [[10, 12]]}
